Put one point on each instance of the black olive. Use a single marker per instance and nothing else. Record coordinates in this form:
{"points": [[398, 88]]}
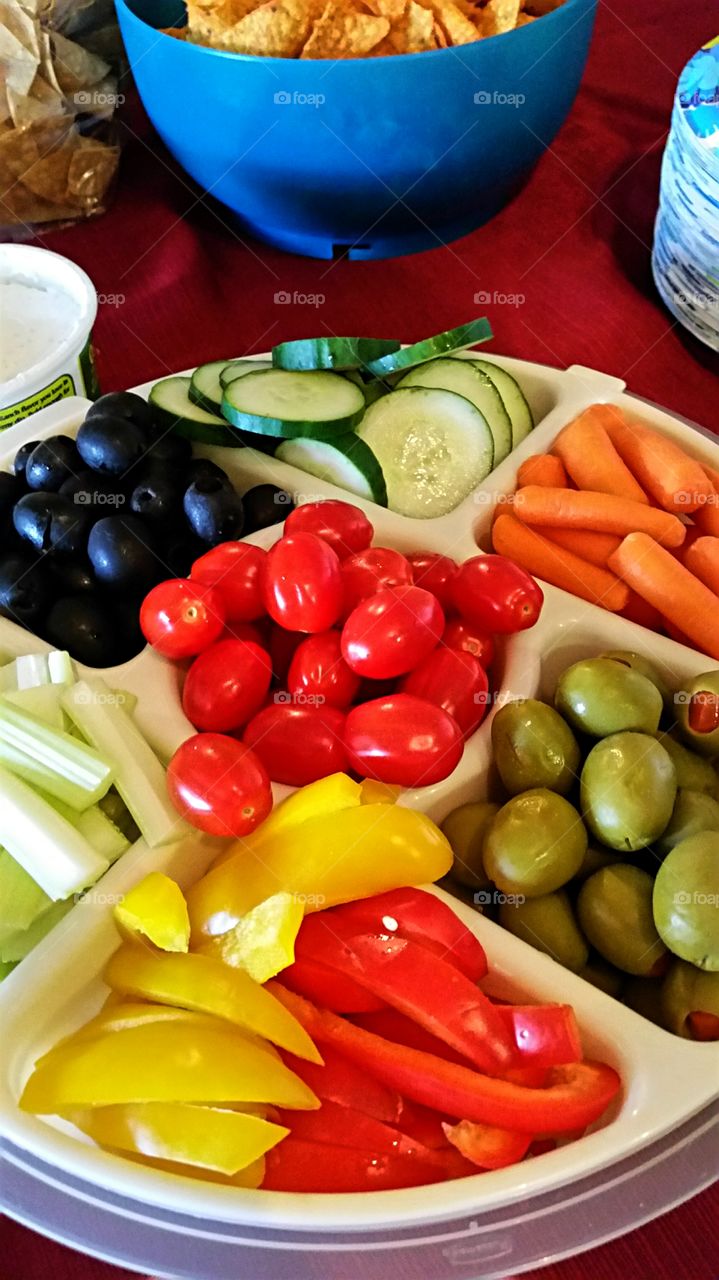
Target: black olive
{"points": [[201, 467], [21, 457], [264, 505], [111, 445], [87, 627], [96, 494], [213, 511], [122, 553], [158, 498], [179, 553], [126, 405], [72, 577], [51, 463], [50, 522], [169, 450], [25, 590], [11, 489]]}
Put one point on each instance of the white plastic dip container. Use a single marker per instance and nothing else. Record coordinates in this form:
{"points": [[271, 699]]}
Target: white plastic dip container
{"points": [[47, 309]]}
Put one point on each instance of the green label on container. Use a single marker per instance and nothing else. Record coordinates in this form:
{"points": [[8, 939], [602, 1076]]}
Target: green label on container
{"points": [[57, 390], [88, 371]]}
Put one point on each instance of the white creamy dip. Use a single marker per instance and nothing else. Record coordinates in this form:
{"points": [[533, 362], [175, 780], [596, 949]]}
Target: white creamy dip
{"points": [[35, 318]]}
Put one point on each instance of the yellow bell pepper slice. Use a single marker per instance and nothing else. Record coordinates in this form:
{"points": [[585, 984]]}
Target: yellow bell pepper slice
{"points": [[328, 795], [163, 1062], [252, 1177], [206, 985], [263, 942], [156, 909], [207, 1137], [135, 1013], [373, 792], [333, 858]]}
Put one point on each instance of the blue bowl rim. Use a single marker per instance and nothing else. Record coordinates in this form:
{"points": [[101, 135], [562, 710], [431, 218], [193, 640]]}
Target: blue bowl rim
{"points": [[454, 50]]}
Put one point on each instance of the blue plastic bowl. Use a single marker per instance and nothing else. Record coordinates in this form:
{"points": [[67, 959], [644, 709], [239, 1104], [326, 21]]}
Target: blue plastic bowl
{"points": [[369, 157]]}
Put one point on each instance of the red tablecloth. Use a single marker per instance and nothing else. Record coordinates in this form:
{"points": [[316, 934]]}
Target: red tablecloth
{"points": [[180, 286]]}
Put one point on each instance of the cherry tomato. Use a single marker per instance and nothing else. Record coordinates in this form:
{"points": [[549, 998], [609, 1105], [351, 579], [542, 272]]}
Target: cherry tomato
{"points": [[435, 573], [244, 631], [235, 569], [340, 524], [219, 785], [298, 744], [460, 635], [282, 645], [497, 595], [180, 618], [302, 587], [318, 669], [453, 680], [372, 570], [402, 739], [226, 685], [390, 632]]}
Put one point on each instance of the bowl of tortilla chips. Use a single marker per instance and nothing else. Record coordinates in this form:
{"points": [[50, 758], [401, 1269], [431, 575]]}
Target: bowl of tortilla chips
{"points": [[360, 128]]}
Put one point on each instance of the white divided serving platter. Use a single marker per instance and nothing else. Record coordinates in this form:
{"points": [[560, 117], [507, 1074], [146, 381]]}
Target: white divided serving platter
{"points": [[668, 1083]]}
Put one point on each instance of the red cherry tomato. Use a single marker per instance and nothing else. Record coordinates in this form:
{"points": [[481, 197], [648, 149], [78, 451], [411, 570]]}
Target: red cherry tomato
{"points": [[282, 645], [219, 785], [246, 631], [298, 744], [226, 685], [435, 573], [319, 671], [452, 680], [460, 635], [497, 595], [372, 570], [235, 569], [390, 632], [180, 618], [302, 587], [340, 524], [402, 739]]}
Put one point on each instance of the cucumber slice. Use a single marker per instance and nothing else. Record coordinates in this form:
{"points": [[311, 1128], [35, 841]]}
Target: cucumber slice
{"points": [[463, 377], [175, 410], [345, 461], [205, 386], [331, 353], [280, 403], [443, 344], [238, 369], [520, 414], [433, 446]]}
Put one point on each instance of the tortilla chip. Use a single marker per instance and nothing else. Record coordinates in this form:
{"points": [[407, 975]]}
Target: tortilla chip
{"points": [[92, 168], [177, 33], [416, 33], [499, 16], [18, 64], [524, 19], [392, 10], [209, 21], [75, 68], [384, 49], [343, 33], [537, 8], [457, 28], [20, 25], [276, 29], [439, 35]]}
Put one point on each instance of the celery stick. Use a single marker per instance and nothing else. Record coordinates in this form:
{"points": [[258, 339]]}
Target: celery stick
{"points": [[60, 667], [50, 849], [43, 701], [50, 759], [139, 776], [128, 701], [8, 676], [21, 899], [21, 943], [99, 831], [31, 670]]}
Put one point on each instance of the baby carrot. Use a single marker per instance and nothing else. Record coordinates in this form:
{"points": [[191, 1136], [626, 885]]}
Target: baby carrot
{"points": [[641, 611], [602, 512], [592, 460], [670, 476], [591, 546], [542, 469], [702, 559], [557, 565], [707, 517], [657, 576]]}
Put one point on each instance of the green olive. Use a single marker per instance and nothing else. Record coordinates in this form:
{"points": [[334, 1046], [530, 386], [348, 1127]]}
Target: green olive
{"points": [[595, 859], [697, 712], [600, 696], [694, 811], [536, 843], [628, 789], [690, 1002], [602, 975], [548, 925], [466, 828], [534, 747], [686, 900], [645, 668], [694, 772], [614, 908]]}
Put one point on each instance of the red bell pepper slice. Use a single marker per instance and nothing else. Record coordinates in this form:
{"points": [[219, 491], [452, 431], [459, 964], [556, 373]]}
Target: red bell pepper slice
{"points": [[416, 982], [328, 988], [424, 1125], [398, 1027], [298, 1165], [419, 917], [342, 1081], [486, 1145], [576, 1094], [546, 1035]]}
